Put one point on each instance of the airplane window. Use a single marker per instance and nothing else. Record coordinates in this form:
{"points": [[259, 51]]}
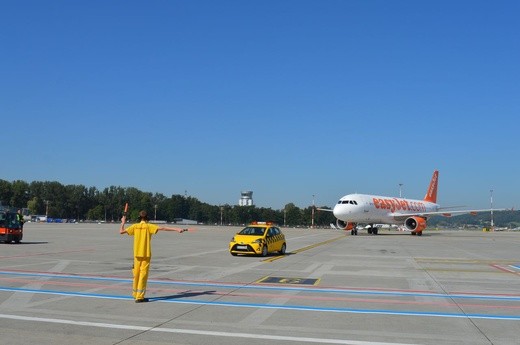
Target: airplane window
{"points": [[355, 202]]}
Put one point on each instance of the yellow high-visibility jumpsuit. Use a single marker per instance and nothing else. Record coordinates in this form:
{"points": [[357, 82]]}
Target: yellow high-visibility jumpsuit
{"points": [[142, 233]]}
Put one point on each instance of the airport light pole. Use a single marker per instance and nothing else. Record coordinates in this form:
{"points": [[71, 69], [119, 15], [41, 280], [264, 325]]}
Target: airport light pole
{"points": [[155, 212], [221, 214], [312, 212], [400, 190], [492, 224], [46, 209]]}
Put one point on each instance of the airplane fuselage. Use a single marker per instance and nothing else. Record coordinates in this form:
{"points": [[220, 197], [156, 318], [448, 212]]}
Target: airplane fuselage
{"points": [[409, 214], [371, 209]]}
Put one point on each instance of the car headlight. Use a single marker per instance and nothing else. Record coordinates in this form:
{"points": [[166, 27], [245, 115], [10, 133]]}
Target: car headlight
{"points": [[259, 241]]}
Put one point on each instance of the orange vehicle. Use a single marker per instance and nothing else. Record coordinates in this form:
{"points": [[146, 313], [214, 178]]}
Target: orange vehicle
{"points": [[10, 228]]}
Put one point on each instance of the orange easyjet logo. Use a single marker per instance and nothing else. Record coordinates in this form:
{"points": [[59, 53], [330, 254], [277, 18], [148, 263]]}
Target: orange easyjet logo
{"points": [[396, 204]]}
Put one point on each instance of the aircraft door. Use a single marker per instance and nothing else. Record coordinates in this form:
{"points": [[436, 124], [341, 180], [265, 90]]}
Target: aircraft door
{"points": [[366, 210]]}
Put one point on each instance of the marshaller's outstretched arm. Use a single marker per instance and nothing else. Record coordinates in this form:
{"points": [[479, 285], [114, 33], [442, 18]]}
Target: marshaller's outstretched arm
{"points": [[122, 229], [179, 230]]}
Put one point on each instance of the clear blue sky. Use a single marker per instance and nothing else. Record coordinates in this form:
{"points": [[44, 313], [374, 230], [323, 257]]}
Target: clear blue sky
{"points": [[287, 98]]}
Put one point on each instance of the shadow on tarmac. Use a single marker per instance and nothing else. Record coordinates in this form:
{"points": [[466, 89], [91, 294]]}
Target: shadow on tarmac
{"points": [[182, 295]]}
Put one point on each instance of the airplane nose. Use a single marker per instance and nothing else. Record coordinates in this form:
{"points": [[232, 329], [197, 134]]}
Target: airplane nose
{"points": [[337, 211]]}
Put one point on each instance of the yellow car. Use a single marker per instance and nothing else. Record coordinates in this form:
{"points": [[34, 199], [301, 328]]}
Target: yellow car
{"points": [[258, 238]]}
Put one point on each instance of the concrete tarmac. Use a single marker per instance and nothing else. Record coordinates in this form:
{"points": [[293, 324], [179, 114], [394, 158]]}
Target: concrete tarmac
{"points": [[71, 284]]}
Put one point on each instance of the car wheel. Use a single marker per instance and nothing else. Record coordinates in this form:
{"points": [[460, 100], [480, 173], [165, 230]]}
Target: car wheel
{"points": [[282, 250], [264, 250]]}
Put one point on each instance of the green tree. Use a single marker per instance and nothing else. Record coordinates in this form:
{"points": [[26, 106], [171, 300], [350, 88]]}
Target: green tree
{"points": [[6, 192], [324, 218], [20, 194], [293, 215], [32, 205], [96, 213]]}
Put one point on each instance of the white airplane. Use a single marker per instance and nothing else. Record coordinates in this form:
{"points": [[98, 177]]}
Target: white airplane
{"points": [[375, 210]]}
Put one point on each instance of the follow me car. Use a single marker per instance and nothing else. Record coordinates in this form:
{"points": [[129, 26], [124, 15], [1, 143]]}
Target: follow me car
{"points": [[260, 238]]}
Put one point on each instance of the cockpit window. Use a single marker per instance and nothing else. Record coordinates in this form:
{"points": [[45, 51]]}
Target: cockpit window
{"points": [[352, 202]]}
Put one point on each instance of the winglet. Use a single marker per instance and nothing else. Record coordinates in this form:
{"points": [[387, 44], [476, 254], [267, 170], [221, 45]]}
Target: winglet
{"points": [[431, 193]]}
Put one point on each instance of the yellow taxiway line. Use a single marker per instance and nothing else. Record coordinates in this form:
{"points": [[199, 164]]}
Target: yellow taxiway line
{"points": [[304, 248]]}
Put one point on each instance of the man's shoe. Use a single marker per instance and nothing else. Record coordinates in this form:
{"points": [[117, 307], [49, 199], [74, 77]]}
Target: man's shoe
{"points": [[142, 300]]}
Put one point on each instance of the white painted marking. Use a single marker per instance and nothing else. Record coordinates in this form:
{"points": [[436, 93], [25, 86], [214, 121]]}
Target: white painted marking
{"points": [[195, 332]]}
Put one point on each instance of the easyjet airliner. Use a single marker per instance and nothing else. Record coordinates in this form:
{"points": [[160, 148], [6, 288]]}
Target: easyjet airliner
{"points": [[354, 209]]}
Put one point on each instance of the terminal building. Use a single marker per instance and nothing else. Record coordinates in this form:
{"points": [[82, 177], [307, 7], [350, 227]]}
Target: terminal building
{"points": [[246, 198]]}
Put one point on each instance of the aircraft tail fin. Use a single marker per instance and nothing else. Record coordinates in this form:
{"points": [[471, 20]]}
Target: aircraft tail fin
{"points": [[431, 193]]}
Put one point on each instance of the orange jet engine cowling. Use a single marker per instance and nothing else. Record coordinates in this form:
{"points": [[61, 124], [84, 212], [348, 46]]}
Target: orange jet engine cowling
{"points": [[345, 225], [417, 224]]}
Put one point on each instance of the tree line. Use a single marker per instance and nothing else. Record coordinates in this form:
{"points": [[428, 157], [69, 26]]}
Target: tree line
{"points": [[509, 219], [55, 200]]}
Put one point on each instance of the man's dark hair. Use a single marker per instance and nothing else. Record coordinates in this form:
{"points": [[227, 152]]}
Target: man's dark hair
{"points": [[143, 216]]}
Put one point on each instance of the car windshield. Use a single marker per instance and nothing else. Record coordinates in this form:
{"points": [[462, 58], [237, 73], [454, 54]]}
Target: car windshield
{"points": [[252, 231], [9, 220]]}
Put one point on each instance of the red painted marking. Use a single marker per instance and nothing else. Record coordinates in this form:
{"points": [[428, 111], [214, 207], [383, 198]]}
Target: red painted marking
{"points": [[253, 295], [47, 253], [504, 269]]}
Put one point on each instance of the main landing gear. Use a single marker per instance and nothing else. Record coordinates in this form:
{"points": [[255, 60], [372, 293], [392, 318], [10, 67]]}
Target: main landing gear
{"points": [[372, 230]]}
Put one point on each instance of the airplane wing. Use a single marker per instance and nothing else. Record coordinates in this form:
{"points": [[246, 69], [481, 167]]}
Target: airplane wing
{"points": [[444, 213]]}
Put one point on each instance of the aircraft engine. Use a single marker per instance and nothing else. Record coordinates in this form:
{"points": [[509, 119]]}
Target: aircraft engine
{"points": [[345, 225], [417, 224]]}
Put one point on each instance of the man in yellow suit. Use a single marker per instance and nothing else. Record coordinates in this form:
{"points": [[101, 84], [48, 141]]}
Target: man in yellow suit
{"points": [[142, 233]]}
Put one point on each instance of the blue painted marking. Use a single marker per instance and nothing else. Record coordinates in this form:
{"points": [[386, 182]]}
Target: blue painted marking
{"points": [[72, 276], [64, 293], [274, 306], [275, 288], [352, 311], [516, 267]]}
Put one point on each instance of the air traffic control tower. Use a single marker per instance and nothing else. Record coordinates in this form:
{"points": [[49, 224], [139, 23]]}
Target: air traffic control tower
{"points": [[246, 198]]}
